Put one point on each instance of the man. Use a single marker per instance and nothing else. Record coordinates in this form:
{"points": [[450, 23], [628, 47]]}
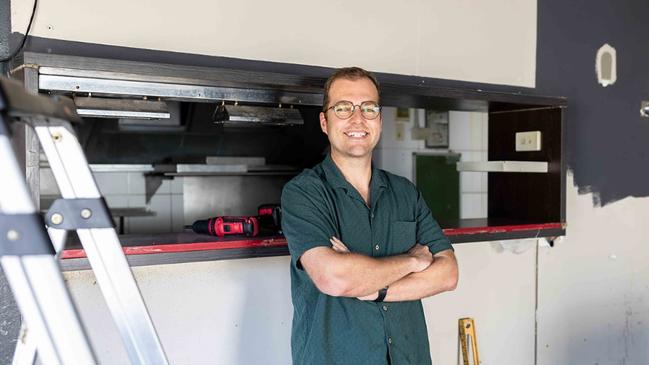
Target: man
{"points": [[364, 246]]}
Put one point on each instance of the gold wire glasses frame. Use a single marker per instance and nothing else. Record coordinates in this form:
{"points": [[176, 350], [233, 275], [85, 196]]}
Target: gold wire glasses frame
{"points": [[345, 109]]}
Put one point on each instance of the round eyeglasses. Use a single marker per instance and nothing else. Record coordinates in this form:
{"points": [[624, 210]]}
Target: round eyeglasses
{"points": [[345, 109]]}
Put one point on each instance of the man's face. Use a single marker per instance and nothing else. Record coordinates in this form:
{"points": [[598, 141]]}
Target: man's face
{"points": [[356, 136]]}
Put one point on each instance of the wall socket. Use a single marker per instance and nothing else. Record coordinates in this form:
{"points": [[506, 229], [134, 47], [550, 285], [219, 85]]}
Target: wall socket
{"points": [[528, 141]]}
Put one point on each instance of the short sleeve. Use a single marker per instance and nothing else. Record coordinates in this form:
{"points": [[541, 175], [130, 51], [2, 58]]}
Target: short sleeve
{"points": [[429, 232], [306, 222]]}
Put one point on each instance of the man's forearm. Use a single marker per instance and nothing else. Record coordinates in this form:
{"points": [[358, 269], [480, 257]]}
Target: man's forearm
{"points": [[439, 277], [355, 275]]}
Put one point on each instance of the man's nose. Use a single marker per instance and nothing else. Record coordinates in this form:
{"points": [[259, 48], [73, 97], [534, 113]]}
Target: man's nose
{"points": [[357, 117]]}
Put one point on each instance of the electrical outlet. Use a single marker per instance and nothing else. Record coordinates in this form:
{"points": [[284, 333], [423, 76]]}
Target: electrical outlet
{"points": [[528, 141]]}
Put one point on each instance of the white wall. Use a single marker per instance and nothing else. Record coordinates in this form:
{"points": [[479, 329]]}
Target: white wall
{"points": [[218, 312], [240, 312], [463, 40], [594, 285], [496, 289]]}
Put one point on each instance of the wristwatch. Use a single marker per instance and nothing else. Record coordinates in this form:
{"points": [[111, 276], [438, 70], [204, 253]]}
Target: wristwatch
{"points": [[382, 293]]}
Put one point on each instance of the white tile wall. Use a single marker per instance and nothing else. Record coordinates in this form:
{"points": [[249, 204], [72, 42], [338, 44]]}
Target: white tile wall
{"points": [[393, 155], [160, 223], [112, 183], [470, 205], [177, 212], [127, 189], [467, 136], [117, 200]]}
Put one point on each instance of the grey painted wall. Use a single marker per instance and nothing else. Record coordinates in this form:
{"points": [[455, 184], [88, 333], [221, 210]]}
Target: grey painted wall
{"points": [[607, 138]]}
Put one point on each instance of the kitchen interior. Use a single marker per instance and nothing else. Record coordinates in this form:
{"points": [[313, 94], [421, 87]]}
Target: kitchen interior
{"points": [[168, 149]]}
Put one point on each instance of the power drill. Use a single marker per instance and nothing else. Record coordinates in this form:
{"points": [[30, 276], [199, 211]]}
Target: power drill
{"points": [[268, 221], [270, 218], [221, 226]]}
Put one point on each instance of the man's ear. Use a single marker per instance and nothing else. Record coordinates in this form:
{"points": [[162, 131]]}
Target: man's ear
{"points": [[323, 122]]}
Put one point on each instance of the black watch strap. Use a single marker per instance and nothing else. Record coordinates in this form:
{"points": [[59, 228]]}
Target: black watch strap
{"points": [[382, 293]]}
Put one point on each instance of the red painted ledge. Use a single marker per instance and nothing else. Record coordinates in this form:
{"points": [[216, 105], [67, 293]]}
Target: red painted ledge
{"points": [[278, 242]]}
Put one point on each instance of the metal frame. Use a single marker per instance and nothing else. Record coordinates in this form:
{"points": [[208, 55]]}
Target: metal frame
{"points": [[37, 283], [171, 91], [102, 246], [36, 280], [299, 87]]}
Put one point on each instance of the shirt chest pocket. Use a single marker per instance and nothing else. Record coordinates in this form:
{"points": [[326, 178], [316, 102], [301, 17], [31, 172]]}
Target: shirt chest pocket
{"points": [[403, 235]]}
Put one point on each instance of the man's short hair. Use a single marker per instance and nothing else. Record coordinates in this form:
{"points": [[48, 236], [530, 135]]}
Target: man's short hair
{"points": [[349, 73]]}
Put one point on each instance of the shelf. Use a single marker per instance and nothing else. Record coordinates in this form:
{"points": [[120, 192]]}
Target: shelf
{"points": [[497, 229], [168, 248], [172, 248], [504, 166]]}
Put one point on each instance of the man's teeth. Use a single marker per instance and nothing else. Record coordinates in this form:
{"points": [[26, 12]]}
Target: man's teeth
{"points": [[356, 134]]}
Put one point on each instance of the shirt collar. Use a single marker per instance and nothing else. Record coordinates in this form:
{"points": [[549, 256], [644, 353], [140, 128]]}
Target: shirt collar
{"points": [[337, 180]]}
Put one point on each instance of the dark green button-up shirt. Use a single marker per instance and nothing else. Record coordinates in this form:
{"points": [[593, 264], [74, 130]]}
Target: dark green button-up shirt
{"points": [[318, 204]]}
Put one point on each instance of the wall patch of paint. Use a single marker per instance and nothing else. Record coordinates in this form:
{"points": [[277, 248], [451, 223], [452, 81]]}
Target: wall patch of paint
{"points": [[605, 136], [606, 65]]}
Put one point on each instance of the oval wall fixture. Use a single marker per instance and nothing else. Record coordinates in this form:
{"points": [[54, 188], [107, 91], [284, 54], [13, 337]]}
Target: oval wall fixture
{"points": [[606, 65], [644, 109]]}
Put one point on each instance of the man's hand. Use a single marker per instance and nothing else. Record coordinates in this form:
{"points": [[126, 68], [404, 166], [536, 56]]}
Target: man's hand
{"points": [[440, 276], [423, 255], [338, 245]]}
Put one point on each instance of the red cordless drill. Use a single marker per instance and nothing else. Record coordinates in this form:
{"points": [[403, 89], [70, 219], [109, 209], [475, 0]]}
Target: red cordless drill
{"points": [[270, 218], [221, 226], [267, 222]]}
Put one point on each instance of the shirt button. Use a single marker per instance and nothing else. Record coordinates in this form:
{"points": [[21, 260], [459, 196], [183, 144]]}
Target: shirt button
{"points": [[385, 308], [376, 247], [372, 215], [390, 340]]}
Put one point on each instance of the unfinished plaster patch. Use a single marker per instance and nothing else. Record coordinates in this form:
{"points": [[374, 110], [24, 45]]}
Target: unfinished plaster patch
{"points": [[606, 65], [514, 246]]}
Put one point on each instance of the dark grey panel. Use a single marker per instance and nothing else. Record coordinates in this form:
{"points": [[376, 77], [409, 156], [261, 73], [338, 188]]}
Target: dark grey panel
{"points": [[606, 138]]}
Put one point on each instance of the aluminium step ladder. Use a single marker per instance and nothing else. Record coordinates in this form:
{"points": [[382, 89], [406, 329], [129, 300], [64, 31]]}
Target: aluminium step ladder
{"points": [[27, 254]]}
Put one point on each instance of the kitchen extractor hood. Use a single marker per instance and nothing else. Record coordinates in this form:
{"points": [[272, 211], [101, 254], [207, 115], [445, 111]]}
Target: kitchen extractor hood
{"points": [[121, 108], [246, 115]]}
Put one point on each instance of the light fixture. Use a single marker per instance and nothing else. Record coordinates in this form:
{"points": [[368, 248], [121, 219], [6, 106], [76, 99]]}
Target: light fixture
{"points": [[121, 108], [240, 115]]}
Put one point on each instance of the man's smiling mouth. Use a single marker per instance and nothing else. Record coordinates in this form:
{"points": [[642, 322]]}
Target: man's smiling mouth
{"points": [[356, 134]]}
